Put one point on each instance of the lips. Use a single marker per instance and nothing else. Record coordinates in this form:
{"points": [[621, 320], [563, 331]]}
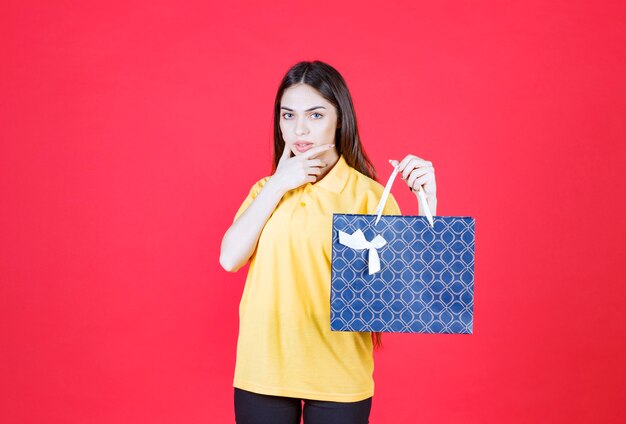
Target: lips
{"points": [[303, 146]]}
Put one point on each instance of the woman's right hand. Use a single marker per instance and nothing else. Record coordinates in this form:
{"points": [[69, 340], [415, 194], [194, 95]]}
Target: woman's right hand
{"points": [[241, 239], [292, 172]]}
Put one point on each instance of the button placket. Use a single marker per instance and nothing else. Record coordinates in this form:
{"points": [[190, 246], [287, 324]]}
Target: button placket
{"points": [[303, 198], [307, 190], [300, 211]]}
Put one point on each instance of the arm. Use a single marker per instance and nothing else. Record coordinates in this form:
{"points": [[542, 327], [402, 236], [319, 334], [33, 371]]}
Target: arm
{"points": [[240, 240]]}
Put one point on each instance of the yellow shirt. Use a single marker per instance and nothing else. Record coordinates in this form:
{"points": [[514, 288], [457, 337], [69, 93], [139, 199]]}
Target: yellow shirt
{"points": [[285, 345]]}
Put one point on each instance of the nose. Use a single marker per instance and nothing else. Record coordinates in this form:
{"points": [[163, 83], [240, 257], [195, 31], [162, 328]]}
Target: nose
{"points": [[301, 127]]}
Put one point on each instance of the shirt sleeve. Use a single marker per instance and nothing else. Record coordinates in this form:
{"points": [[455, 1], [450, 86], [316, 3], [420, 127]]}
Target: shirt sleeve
{"points": [[254, 191], [391, 206]]}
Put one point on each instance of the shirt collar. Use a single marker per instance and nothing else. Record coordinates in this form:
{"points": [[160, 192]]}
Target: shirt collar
{"points": [[335, 180]]}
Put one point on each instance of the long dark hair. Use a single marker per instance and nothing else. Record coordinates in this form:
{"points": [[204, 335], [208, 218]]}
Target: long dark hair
{"points": [[331, 85]]}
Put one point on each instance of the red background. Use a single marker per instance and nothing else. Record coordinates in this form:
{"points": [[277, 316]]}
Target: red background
{"points": [[132, 131]]}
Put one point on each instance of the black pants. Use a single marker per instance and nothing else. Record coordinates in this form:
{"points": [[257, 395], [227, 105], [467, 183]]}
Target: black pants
{"points": [[255, 408]]}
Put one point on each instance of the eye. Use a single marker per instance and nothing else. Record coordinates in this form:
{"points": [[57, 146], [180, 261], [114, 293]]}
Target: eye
{"points": [[319, 114], [286, 113]]}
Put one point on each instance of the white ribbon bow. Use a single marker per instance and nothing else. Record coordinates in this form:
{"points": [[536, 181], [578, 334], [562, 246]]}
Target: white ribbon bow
{"points": [[358, 241]]}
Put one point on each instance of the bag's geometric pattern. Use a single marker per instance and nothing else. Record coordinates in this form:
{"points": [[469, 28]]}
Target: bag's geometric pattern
{"points": [[425, 283]]}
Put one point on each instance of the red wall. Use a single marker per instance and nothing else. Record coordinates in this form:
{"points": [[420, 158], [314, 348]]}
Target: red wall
{"points": [[131, 132]]}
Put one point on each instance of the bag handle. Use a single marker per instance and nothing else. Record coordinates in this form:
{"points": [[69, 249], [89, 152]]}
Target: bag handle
{"points": [[383, 198]]}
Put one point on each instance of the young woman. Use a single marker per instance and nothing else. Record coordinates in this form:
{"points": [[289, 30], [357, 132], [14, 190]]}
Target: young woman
{"points": [[286, 353]]}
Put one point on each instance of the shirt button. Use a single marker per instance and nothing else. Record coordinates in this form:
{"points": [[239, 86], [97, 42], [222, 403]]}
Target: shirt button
{"points": [[302, 204]]}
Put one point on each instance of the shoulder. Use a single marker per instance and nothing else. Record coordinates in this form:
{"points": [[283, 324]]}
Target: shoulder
{"points": [[254, 191], [363, 182], [372, 190], [257, 186]]}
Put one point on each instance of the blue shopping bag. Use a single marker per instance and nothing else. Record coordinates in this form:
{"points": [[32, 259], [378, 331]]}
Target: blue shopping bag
{"points": [[402, 274]]}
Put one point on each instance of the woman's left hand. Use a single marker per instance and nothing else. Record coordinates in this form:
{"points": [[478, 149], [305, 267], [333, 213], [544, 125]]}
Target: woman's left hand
{"points": [[416, 171]]}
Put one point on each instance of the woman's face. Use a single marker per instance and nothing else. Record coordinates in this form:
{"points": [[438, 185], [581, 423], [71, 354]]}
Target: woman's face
{"points": [[307, 119]]}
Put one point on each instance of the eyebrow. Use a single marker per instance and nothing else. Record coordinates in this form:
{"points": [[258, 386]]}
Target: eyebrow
{"points": [[308, 110]]}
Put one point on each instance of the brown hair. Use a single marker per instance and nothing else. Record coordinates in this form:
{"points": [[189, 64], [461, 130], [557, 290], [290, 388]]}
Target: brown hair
{"points": [[331, 85]]}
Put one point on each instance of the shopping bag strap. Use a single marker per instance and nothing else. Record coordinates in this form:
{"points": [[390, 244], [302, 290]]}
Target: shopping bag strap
{"points": [[383, 199]]}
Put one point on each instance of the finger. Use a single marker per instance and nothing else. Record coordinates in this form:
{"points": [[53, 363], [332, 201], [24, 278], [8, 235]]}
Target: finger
{"points": [[315, 162], [415, 174], [423, 165], [313, 171], [286, 153], [421, 181], [317, 150], [408, 158], [411, 166]]}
